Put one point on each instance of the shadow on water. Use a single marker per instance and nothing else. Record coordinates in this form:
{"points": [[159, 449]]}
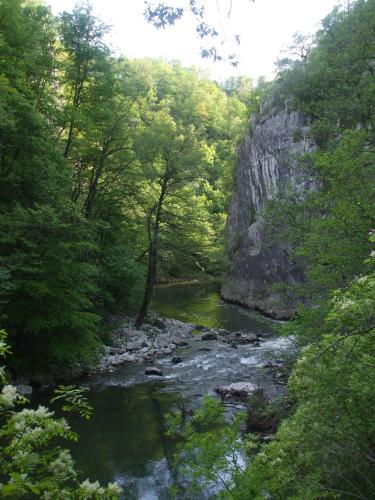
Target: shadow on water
{"points": [[200, 303]]}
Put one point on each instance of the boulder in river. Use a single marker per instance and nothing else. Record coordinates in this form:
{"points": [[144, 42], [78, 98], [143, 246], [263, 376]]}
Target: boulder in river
{"points": [[179, 342], [176, 359], [159, 323], [204, 349], [209, 336], [237, 389], [133, 346], [249, 337], [152, 370]]}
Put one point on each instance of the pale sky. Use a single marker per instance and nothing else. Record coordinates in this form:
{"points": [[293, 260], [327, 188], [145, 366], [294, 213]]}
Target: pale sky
{"points": [[265, 27]]}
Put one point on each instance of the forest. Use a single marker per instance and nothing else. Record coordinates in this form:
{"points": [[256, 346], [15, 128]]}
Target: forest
{"points": [[116, 177], [102, 160]]}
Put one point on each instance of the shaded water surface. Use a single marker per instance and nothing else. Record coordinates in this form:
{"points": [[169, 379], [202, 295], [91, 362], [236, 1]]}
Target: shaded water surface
{"points": [[125, 440], [200, 303]]}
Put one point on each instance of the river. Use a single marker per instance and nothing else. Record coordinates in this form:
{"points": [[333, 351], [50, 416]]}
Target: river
{"points": [[125, 441]]}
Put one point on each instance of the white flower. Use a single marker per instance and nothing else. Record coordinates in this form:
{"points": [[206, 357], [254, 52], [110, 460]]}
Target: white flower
{"points": [[114, 489], [20, 426], [345, 304], [91, 488], [62, 463], [9, 395]]}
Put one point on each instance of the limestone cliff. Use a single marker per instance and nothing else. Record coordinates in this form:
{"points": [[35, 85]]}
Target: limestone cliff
{"points": [[267, 165]]}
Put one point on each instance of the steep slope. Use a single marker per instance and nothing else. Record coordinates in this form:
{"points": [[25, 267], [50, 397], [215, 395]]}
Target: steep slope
{"points": [[267, 166]]}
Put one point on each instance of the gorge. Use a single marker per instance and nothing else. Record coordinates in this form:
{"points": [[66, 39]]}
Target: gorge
{"points": [[119, 175]]}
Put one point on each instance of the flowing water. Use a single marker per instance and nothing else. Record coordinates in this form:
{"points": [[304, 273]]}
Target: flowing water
{"points": [[125, 440]]}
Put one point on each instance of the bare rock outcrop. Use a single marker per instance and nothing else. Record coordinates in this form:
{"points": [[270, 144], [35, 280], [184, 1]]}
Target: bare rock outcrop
{"points": [[268, 166]]}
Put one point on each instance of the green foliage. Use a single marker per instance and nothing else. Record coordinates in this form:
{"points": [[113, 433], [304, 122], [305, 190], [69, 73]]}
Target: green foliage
{"points": [[51, 285], [328, 228], [325, 449], [331, 80], [33, 464], [84, 142], [73, 400], [211, 450]]}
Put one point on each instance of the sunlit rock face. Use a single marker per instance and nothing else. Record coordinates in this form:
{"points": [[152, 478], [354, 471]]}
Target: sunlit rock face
{"points": [[268, 165]]}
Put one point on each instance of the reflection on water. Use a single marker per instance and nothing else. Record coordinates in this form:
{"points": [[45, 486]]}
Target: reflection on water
{"points": [[125, 440], [200, 303]]}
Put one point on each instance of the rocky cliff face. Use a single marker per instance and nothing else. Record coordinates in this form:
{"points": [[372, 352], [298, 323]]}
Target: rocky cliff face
{"points": [[267, 166]]}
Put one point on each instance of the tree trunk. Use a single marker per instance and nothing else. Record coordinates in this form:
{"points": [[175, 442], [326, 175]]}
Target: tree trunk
{"points": [[152, 255], [150, 284]]}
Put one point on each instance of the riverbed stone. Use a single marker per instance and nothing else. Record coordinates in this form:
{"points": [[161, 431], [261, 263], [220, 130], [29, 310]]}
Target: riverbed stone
{"points": [[209, 336], [237, 389], [176, 360], [159, 323], [200, 328], [133, 346], [179, 342], [131, 333], [249, 337], [152, 370], [116, 350]]}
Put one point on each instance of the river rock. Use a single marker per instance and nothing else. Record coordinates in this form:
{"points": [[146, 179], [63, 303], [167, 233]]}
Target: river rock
{"points": [[204, 349], [159, 323], [133, 346], [131, 333], [209, 336], [115, 350], [176, 359], [152, 370], [237, 389], [273, 365], [200, 328], [179, 342], [249, 337]]}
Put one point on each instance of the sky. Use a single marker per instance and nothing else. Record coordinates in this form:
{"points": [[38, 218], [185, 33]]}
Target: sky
{"points": [[265, 27]]}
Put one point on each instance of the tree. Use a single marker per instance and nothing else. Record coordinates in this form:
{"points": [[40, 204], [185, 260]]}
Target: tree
{"points": [[82, 38], [173, 158], [90, 145], [325, 448], [184, 168]]}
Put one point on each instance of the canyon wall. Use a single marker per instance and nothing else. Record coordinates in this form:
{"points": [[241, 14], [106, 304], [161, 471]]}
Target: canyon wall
{"points": [[268, 165]]}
